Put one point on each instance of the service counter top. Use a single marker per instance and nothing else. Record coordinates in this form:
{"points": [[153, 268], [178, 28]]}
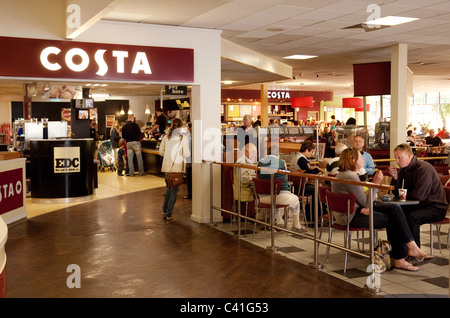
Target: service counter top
{"points": [[7, 155], [62, 170]]}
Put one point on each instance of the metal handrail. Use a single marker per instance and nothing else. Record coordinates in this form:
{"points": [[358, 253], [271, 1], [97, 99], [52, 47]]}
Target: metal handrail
{"points": [[273, 227]]}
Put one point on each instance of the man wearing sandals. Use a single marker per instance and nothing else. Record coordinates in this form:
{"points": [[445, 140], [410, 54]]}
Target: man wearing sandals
{"points": [[423, 184]]}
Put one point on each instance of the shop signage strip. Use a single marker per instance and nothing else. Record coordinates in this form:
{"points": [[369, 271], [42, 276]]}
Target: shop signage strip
{"points": [[11, 190], [21, 57]]}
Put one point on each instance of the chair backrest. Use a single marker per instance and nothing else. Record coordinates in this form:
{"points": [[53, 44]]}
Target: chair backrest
{"points": [[447, 193], [444, 179], [341, 202], [323, 194], [262, 186]]}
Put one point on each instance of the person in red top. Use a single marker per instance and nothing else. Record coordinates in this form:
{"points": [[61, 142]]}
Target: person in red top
{"points": [[441, 134]]}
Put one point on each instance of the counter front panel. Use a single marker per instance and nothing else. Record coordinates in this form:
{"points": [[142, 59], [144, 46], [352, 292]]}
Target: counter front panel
{"points": [[62, 168]]}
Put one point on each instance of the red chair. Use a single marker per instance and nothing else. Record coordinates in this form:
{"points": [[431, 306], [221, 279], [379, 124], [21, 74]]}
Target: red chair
{"points": [[444, 179], [441, 170], [343, 203], [438, 224], [262, 187]]}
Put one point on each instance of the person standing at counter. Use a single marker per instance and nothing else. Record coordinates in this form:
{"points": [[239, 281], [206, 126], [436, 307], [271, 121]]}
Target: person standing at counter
{"points": [[160, 125], [132, 134], [174, 149], [115, 138], [246, 133]]}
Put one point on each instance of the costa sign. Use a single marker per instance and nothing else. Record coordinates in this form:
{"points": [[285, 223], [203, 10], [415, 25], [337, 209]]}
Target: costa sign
{"points": [[11, 190], [21, 57]]}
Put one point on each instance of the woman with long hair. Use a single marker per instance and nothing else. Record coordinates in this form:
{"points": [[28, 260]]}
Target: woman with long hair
{"points": [[389, 216], [115, 138], [174, 149]]}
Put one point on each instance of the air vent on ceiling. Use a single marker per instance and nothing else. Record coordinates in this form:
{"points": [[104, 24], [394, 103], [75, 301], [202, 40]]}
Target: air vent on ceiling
{"points": [[365, 27]]}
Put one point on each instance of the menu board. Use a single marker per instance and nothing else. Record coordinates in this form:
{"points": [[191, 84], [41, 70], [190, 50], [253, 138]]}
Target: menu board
{"points": [[233, 110], [245, 110]]}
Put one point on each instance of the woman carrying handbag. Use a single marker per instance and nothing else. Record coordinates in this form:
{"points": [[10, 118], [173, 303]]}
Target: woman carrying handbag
{"points": [[174, 149]]}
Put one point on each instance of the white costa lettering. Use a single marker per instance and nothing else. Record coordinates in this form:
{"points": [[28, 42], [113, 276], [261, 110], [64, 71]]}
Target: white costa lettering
{"points": [[140, 63], [9, 190], [280, 94], [44, 58]]}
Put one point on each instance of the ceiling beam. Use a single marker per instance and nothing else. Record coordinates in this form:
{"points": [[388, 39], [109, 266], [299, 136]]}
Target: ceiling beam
{"points": [[82, 14], [237, 53]]}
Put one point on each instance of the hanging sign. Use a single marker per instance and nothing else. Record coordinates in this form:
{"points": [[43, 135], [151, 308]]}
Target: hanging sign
{"points": [[175, 90], [20, 57]]}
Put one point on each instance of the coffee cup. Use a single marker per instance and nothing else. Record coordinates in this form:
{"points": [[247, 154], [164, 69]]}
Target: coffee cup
{"points": [[402, 194]]}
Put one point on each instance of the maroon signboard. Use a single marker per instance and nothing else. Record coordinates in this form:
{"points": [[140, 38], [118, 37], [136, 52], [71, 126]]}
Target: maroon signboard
{"points": [[21, 57], [11, 190], [371, 79]]}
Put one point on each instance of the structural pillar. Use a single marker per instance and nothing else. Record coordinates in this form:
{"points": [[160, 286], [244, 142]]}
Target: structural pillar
{"points": [[399, 95], [264, 106]]}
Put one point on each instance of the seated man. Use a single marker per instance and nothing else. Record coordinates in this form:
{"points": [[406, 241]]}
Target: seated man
{"points": [[433, 140], [423, 184], [285, 196], [369, 166]]}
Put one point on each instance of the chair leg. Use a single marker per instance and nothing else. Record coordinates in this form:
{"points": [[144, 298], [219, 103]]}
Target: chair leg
{"points": [[347, 245], [438, 230], [431, 239]]}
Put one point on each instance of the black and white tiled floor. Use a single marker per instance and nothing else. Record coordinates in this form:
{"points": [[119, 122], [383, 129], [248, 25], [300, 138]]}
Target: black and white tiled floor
{"points": [[431, 281]]}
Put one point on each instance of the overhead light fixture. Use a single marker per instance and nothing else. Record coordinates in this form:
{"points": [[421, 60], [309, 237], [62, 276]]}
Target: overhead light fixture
{"points": [[129, 111], [147, 110], [299, 57], [122, 112], [352, 102], [100, 95], [302, 102], [227, 82], [390, 21]]}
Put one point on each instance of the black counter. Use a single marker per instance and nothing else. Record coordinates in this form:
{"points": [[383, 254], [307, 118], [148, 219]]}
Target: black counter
{"points": [[62, 168]]}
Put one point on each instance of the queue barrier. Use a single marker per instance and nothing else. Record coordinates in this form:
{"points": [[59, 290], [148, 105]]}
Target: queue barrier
{"points": [[315, 238]]}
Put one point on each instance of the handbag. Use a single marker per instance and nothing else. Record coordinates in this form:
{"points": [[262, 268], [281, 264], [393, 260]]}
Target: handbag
{"points": [[381, 256], [175, 179]]}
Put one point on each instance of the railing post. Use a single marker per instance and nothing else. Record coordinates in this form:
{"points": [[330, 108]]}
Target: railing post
{"points": [[272, 246], [316, 264], [373, 285], [239, 201], [211, 194]]}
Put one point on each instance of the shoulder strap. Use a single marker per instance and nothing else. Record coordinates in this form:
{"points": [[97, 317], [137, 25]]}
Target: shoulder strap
{"points": [[179, 145]]}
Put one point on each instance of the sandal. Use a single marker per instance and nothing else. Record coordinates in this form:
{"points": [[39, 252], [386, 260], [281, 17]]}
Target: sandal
{"points": [[408, 268]]}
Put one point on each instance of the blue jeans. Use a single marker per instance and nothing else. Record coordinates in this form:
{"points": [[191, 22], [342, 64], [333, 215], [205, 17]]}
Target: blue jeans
{"points": [[134, 147], [169, 199]]}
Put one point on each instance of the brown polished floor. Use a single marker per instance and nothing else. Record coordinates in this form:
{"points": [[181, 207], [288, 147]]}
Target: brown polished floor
{"points": [[125, 249]]}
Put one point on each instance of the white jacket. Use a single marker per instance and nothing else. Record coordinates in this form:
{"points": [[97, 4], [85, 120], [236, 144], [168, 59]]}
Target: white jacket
{"points": [[174, 153]]}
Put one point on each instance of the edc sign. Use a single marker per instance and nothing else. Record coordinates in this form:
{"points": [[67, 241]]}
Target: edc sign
{"points": [[20, 57]]}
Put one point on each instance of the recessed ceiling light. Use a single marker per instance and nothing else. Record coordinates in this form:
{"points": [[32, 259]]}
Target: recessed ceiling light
{"points": [[227, 82], [390, 21], [300, 57]]}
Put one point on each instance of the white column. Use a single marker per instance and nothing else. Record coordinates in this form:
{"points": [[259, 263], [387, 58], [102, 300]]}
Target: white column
{"points": [[399, 98]]}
